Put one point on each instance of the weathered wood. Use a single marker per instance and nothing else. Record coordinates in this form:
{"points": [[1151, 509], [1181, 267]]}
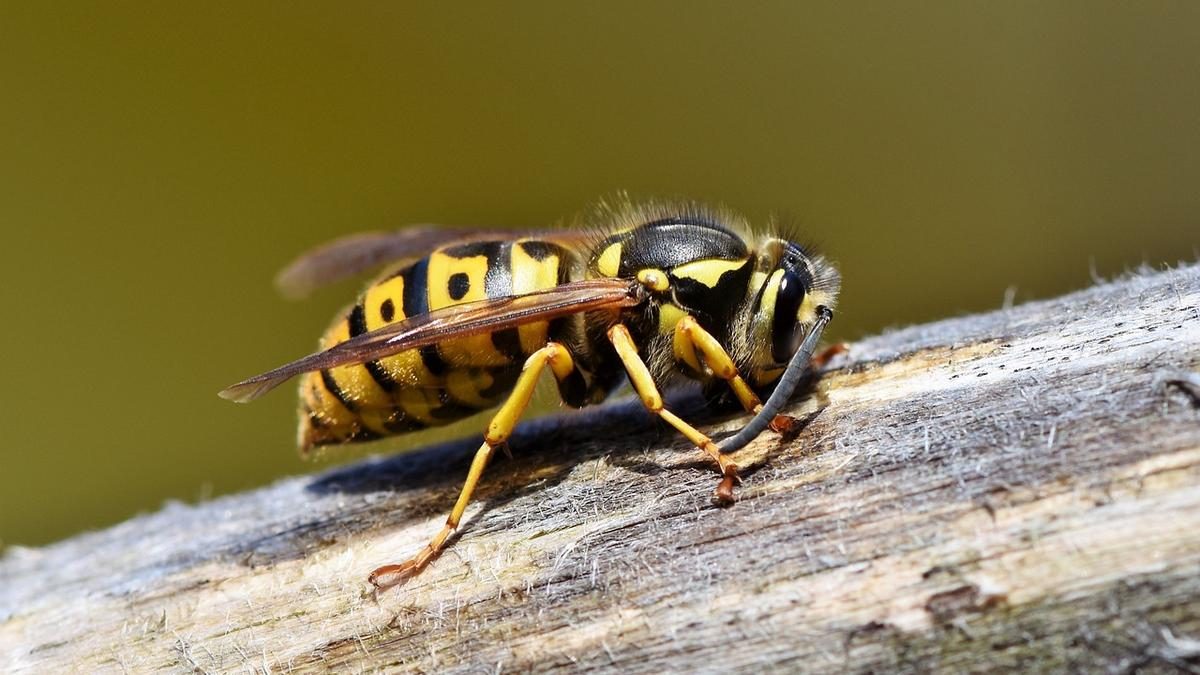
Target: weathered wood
{"points": [[1019, 489]]}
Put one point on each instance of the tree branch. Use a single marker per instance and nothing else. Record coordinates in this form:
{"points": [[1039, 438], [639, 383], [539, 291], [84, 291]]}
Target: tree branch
{"points": [[1007, 490]]}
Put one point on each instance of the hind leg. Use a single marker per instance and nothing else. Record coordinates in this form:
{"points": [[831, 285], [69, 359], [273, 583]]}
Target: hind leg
{"points": [[643, 384], [499, 429]]}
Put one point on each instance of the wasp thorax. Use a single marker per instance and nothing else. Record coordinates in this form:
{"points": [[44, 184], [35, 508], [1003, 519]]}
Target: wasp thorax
{"points": [[693, 263]]}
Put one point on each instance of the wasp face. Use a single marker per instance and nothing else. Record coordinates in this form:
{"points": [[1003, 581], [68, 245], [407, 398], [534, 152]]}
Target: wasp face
{"points": [[785, 292]]}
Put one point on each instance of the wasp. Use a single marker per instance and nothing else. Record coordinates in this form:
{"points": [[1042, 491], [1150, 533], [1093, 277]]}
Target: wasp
{"points": [[465, 320]]}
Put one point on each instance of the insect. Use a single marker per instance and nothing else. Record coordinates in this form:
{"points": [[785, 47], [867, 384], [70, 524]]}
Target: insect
{"points": [[467, 320]]}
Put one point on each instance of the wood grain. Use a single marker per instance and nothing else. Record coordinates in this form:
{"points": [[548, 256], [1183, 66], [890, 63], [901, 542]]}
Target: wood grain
{"points": [[1018, 489]]}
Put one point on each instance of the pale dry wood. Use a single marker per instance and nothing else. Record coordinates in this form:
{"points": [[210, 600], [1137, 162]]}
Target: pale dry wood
{"points": [[1019, 489]]}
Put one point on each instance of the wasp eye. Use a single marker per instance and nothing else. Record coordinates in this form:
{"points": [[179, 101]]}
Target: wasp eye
{"points": [[785, 329]]}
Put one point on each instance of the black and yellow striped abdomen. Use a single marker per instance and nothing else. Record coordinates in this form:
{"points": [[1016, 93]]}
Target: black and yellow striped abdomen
{"points": [[437, 384]]}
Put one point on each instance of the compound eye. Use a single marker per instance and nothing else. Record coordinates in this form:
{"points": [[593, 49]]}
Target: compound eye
{"points": [[785, 328]]}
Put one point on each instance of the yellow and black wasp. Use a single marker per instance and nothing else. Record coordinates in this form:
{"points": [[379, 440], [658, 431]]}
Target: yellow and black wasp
{"points": [[465, 320]]}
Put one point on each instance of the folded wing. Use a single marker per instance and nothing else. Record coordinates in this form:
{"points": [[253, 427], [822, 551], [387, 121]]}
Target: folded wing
{"points": [[472, 318]]}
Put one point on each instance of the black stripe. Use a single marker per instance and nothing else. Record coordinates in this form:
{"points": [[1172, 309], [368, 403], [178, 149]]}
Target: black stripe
{"points": [[573, 389], [498, 280], [332, 387], [399, 422], [358, 435], [497, 283], [314, 419], [669, 242], [416, 296], [470, 250], [559, 327], [508, 343], [538, 250], [433, 360], [382, 377], [358, 320], [692, 220], [564, 271], [711, 306], [416, 301], [358, 326]]}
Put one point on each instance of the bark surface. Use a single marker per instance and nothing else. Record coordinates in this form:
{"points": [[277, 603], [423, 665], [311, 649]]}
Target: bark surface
{"points": [[1012, 490]]}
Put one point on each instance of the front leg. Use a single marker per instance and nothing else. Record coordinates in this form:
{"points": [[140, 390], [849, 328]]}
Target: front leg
{"points": [[692, 344], [643, 384]]}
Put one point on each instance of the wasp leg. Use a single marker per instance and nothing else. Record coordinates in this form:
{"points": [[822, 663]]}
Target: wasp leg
{"points": [[643, 383], [692, 343], [499, 429]]}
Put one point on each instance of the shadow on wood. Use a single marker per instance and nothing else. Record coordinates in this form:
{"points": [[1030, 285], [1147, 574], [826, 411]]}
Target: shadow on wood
{"points": [[1019, 489]]}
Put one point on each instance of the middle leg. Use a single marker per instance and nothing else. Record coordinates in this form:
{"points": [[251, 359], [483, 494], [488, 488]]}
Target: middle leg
{"points": [[643, 384]]}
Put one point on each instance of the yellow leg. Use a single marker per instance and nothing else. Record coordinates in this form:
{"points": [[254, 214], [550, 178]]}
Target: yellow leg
{"points": [[692, 343], [690, 338], [643, 384], [499, 429]]}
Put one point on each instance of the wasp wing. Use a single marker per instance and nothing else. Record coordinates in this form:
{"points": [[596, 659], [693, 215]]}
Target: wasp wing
{"points": [[350, 255], [469, 318]]}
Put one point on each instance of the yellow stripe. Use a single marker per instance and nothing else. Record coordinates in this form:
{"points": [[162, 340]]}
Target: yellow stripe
{"points": [[355, 382], [406, 368], [530, 274], [464, 385], [707, 272], [609, 262], [336, 423], [767, 306], [419, 403], [668, 315], [766, 310], [476, 350], [757, 279], [386, 290], [324, 404]]}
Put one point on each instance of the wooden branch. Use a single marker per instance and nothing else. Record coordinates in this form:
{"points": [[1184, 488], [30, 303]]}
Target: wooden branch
{"points": [[1019, 489]]}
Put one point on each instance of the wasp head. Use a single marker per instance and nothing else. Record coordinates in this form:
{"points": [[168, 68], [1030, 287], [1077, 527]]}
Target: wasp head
{"points": [[789, 284]]}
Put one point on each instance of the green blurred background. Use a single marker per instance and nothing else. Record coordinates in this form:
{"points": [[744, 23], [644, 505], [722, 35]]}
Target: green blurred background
{"points": [[159, 162]]}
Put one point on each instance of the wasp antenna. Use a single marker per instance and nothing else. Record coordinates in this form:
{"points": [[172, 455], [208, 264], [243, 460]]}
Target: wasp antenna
{"points": [[796, 368]]}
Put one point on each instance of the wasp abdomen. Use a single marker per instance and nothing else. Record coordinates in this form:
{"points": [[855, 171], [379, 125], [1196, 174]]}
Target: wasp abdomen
{"points": [[436, 384]]}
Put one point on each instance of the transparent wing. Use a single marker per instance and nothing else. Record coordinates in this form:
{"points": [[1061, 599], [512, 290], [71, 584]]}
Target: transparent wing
{"points": [[470, 318], [356, 253]]}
